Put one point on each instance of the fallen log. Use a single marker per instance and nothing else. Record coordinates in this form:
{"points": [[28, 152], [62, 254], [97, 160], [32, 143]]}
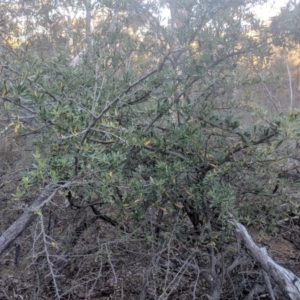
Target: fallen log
{"points": [[28, 216], [288, 282]]}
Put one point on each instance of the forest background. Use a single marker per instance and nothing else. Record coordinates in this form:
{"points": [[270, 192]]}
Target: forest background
{"points": [[132, 143]]}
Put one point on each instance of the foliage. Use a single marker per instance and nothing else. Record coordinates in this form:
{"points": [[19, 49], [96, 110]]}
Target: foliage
{"points": [[285, 26], [150, 132]]}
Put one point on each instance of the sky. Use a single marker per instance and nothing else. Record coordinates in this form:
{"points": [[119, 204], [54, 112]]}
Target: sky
{"points": [[270, 9], [264, 12]]}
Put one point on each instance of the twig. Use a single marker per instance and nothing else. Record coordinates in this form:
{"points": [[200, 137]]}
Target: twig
{"points": [[269, 285], [47, 254], [290, 81], [174, 153]]}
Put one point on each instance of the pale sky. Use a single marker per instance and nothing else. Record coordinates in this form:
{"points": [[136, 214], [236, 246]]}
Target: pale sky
{"points": [[270, 9], [264, 12]]}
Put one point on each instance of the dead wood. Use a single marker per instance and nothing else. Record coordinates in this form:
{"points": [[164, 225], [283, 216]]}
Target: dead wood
{"points": [[28, 216], [288, 282]]}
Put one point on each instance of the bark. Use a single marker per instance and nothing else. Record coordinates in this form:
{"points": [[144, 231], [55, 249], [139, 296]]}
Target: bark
{"points": [[288, 282], [29, 215], [88, 20], [69, 29]]}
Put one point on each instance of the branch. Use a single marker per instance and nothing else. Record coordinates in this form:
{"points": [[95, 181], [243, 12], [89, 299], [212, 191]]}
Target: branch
{"points": [[118, 98], [174, 153], [17, 228], [235, 53], [288, 282]]}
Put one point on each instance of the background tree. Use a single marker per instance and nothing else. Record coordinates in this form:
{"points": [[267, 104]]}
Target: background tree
{"points": [[285, 26]]}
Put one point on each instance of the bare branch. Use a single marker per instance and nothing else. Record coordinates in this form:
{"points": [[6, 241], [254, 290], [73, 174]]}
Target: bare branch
{"points": [[286, 279], [17, 228]]}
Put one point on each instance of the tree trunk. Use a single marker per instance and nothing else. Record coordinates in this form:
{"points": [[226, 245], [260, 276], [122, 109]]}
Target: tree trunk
{"points": [[88, 21]]}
